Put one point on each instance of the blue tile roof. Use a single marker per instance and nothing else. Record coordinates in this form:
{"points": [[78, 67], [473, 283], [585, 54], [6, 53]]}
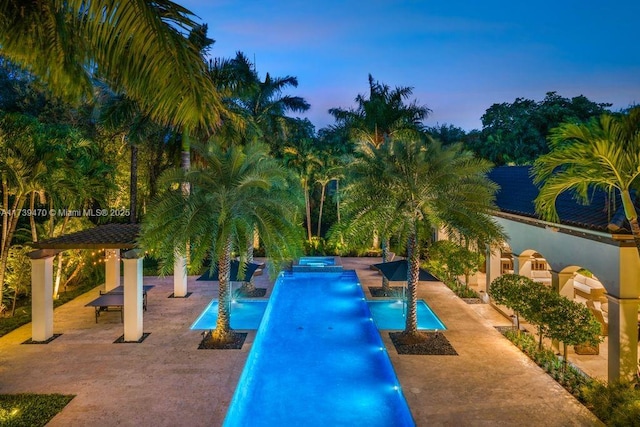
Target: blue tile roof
{"points": [[517, 193]]}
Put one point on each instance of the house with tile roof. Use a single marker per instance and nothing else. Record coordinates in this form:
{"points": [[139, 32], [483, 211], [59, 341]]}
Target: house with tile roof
{"points": [[588, 242]]}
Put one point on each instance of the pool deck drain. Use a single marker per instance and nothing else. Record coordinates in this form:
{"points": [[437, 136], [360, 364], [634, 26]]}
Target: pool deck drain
{"points": [[167, 381]]}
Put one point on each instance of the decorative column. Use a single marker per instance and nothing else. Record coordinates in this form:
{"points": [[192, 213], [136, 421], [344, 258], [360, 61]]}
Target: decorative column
{"points": [[565, 284], [42, 299], [132, 309], [493, 266], [555, 281], [111, 269], [516, 264], [524, 262], [180, 277], [623, 338]]}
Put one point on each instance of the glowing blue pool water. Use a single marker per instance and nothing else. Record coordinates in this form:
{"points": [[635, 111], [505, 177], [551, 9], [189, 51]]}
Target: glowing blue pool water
{"points": [[323, 264], [318, 360], [387, 314], [391, 314], [316, 261], [245, 314]]}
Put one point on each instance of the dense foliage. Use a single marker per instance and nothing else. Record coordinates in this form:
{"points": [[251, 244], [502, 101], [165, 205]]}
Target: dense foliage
{"points": [[555, 316], [516, 133]]}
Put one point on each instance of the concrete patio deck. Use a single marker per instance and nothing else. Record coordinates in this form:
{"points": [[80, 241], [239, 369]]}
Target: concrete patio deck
{"points": [[167, 381]]}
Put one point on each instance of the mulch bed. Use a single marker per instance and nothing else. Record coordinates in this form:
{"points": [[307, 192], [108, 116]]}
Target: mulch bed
{"points": [[236, 344], [121, 340], [31, 341], [396, 291], [472, 300], [257, 293], [430, 343]]}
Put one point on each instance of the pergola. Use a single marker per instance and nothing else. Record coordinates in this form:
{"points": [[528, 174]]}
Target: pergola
{"points": [[119, 243]]}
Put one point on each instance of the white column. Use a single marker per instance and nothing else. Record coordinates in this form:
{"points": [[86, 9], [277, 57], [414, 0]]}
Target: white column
{"points": [[111, 269], [180, 277], [42, 299], [132, 299]]}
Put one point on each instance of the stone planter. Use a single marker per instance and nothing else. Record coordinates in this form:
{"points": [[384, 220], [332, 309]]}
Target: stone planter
{"points": [[587, 349]]}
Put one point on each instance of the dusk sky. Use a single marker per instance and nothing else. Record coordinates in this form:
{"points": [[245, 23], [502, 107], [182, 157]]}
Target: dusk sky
{"points": [[459, 56]]}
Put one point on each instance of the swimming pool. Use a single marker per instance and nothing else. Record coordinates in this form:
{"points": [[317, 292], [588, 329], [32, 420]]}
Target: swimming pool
{"points": [[387, 314], [317, 264], [318, 360], [245, 314]]}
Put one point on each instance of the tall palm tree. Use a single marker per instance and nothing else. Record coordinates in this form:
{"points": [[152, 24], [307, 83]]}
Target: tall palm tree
{"points": [[383, 115], [136, 46], [268, 107], [428, 186], [329, 171], [601, 153], [233, 192], [302, 157]]}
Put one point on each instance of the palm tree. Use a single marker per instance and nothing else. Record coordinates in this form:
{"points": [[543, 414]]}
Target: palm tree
{"points": [[232, 191], [121, 115], [329, 171], [383, 115], [136, 46], [601, 153], [24, 169], [367, 207], [427, 186], [268, 107], [302, 157]]}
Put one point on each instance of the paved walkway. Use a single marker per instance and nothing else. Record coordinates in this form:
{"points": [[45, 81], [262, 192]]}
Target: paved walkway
{"points": [[167, 381]]}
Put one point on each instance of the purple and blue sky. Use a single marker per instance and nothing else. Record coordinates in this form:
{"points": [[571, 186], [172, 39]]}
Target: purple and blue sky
{"points": [[460, 56]]}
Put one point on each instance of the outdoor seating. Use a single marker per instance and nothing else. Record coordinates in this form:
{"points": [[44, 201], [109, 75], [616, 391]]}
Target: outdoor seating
{"points": [[599, 317], [587, 288], [541, 276]]}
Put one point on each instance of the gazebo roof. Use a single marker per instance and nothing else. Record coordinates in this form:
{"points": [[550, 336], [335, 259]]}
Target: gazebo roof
{"points": [[108, 236]]}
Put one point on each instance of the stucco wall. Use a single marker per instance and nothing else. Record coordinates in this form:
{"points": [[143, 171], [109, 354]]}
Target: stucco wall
{"points": [[611, 263]]}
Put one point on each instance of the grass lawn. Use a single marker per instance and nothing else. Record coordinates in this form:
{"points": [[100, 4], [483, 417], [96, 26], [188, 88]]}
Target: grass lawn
{"points": [[30, 410]]}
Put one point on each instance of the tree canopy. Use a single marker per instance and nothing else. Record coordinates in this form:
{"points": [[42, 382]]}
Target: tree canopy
{"points": [[516, 133]]}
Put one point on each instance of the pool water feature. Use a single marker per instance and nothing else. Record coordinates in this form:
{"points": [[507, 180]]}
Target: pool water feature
{"points": [[318, 360], [245, 314], [317, 263], [387, 314], [391, 314]]}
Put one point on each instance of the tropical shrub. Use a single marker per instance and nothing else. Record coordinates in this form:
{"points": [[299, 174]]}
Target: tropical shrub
{"points": [[515, 292], [555, 316], [616, 403], [571, 323], [450, 260]]}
